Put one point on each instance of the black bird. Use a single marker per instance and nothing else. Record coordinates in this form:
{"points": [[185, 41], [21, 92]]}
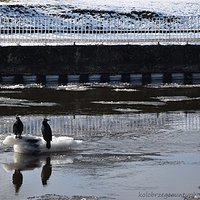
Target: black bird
{"points": [[47, 133], [18, 127]]}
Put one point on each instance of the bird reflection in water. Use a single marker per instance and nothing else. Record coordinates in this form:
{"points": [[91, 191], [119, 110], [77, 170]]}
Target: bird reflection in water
{"points": [[22, 162], [46, 171], [25, 162], [17, 180]]}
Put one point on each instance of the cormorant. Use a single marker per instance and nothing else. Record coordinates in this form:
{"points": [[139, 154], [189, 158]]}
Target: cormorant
{"points": [[18, 127], [46, 133]]}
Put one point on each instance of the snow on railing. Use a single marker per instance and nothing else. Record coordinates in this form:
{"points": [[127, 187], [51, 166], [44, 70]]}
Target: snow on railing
{"points": [[55, 30]]}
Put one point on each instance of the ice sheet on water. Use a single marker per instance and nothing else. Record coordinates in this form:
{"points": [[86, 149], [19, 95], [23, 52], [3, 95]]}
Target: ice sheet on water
{"points": [[33, 145], [21, 86], [64, 197], [73, 87], [9, 92], [5, 102], [149, 103], [125, 90], [126, 110], [173, 85], [113, 85], [175, 98]]}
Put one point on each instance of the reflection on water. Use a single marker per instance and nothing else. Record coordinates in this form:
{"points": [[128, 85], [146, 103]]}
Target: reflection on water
{"points": [[118, 176], [46, 171], [135, 141], [96, 99], [23, 162], [85, 163], [87, 125], [17, 179]]}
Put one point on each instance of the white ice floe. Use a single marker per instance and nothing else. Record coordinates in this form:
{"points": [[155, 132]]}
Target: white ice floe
{"points": [[125, 90], [10, 92], [33, 144], [74, 87], [175, 98], [11, 102], [173, 85], [21, 86], [148, 103], [126, 110]]}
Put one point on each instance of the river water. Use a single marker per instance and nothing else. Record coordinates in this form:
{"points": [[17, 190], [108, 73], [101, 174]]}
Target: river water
{"points": [[139, 142]]}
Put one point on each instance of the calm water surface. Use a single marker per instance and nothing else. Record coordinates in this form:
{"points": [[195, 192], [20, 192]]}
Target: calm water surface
{"points": [[138, 142]]}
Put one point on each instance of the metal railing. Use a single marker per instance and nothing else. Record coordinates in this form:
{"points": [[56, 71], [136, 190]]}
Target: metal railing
{"points": [[55, 30]]}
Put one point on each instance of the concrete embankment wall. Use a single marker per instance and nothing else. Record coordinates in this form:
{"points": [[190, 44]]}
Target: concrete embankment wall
{"points": [[99, 59], [101, 63]]}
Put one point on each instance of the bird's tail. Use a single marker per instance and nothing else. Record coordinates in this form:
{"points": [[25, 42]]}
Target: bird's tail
{"points": [[48, 145]]}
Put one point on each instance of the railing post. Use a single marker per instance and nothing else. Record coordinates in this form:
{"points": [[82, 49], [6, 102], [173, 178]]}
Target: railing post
{"points": [[198, 27], [82, 26], [1, 28]]}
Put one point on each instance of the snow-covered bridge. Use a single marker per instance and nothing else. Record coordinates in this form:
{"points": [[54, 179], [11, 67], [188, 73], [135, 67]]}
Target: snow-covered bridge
{"points": [[56, 30]]}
